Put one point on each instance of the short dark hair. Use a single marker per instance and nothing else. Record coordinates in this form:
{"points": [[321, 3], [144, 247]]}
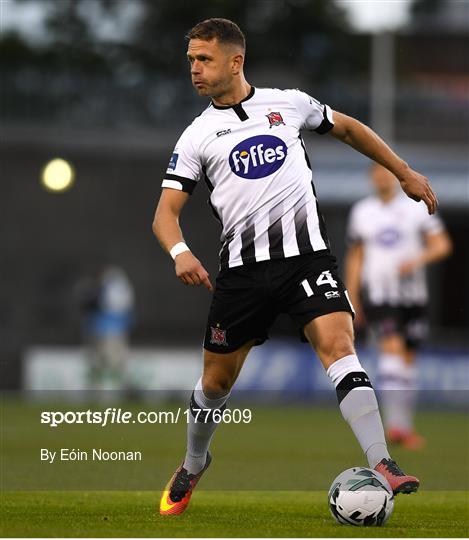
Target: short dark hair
{"points": [[224, 30]]}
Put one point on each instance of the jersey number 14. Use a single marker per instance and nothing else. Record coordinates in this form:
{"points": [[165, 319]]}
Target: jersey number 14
{"points": [[325, 278]]}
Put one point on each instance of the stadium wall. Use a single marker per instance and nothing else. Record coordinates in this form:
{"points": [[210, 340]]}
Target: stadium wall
{"points": [[279, 369]]}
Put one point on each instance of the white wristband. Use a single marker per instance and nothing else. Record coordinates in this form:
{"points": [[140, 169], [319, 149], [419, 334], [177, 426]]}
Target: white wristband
{"points": [[177, 249]]}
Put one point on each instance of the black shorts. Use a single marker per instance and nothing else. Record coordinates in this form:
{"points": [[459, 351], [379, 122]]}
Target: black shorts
{"points": [[248, 298], [408, 321]]}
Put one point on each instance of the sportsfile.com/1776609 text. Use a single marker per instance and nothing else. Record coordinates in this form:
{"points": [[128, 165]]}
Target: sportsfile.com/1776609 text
{"points": [[113, 415]]}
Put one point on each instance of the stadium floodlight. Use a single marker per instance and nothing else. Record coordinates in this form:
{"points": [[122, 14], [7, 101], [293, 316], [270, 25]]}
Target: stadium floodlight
{"points": [[57, 176]]}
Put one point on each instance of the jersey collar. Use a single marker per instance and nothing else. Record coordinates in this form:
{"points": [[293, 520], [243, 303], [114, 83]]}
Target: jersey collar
{"points": [[249, 96]]}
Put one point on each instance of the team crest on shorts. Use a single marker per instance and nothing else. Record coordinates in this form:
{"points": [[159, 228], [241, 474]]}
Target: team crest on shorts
{"points": [[218, 336], [275, 119]]}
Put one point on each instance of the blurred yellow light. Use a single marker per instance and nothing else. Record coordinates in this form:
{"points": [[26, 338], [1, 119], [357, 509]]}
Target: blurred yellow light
{"points": [[58, 175]]}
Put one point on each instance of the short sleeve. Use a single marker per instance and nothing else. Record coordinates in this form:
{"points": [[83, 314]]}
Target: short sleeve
{"points": [[315, 115], [431, 224], [353, 234], [184, 168]]}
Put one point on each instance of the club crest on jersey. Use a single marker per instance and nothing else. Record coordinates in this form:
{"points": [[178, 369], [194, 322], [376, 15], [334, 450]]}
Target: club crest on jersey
{"points": [[258, 157], [218, 336], [275, 119]]}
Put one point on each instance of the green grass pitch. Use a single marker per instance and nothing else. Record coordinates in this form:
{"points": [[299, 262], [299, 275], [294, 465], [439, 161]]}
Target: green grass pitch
{"points": [[221, 514], [268, 479]]}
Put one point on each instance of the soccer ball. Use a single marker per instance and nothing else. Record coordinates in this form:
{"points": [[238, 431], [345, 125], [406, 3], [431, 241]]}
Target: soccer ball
{"points": [[361, 497]]}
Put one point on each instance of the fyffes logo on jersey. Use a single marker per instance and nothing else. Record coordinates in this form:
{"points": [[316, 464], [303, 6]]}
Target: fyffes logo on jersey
{"points": [[258, 157], [388, 237]]}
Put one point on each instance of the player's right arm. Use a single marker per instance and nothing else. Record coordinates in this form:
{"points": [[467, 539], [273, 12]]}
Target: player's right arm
{"points": [[353, 271], [365, 140], [168, 232]]}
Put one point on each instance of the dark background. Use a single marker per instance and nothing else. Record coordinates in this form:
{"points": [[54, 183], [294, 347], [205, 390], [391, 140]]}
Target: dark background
{"points": [[114, 109]]}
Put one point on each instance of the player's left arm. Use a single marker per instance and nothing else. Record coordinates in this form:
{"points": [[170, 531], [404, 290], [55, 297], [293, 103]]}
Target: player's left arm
{"points": [[365, 140], [438, 246]]}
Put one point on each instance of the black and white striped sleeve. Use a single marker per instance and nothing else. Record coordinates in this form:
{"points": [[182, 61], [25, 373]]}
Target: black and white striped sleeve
{"points": [[315, 115], [184, 168]]}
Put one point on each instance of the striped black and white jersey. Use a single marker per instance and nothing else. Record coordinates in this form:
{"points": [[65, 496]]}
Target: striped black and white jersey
{"points": [[254, 163], [392, 233]]}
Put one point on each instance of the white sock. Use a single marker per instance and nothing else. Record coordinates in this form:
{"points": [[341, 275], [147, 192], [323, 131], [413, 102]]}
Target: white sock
{"points": [[397, 385], [358, 405], [200, 433]]}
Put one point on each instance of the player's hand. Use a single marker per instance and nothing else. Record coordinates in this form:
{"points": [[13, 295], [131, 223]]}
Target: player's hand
{"points": [[190, 270], [409, 267], [417, 187]]}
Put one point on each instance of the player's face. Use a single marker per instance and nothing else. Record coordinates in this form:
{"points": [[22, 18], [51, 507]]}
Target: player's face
{"points": [[384, 182], [211, 67]]}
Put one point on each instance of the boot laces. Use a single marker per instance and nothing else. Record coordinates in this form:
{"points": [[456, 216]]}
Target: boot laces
{"points": [[393, 467], [181, 485]]}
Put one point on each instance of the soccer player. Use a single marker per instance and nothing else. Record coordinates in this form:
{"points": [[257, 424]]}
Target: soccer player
{"points": [[275, 255], [391, 240]]}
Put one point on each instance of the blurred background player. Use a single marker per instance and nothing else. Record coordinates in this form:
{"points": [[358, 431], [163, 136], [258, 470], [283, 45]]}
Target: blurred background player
{"points": [[107, 303], [392, 239]]}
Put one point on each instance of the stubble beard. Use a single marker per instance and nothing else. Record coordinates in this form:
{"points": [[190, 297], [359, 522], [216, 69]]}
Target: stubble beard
{"points": [[213, 90]]}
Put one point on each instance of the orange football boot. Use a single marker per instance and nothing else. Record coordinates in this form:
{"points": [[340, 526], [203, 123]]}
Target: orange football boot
{"points": [[178, 492], [410, 440], [413, 441], [394, 435], [398, 480]]}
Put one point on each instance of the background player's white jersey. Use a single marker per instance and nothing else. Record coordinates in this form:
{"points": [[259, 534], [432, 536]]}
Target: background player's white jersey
{"points": [[253, 160], [392, 233]]}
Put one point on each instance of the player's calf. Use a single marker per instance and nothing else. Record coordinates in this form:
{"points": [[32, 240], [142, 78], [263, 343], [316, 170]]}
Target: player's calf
{"points": [[201, 427], [359, 407]]}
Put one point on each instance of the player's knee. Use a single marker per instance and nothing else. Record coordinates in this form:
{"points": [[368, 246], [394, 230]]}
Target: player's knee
{"points": [[216, 386], [336, 348]]}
